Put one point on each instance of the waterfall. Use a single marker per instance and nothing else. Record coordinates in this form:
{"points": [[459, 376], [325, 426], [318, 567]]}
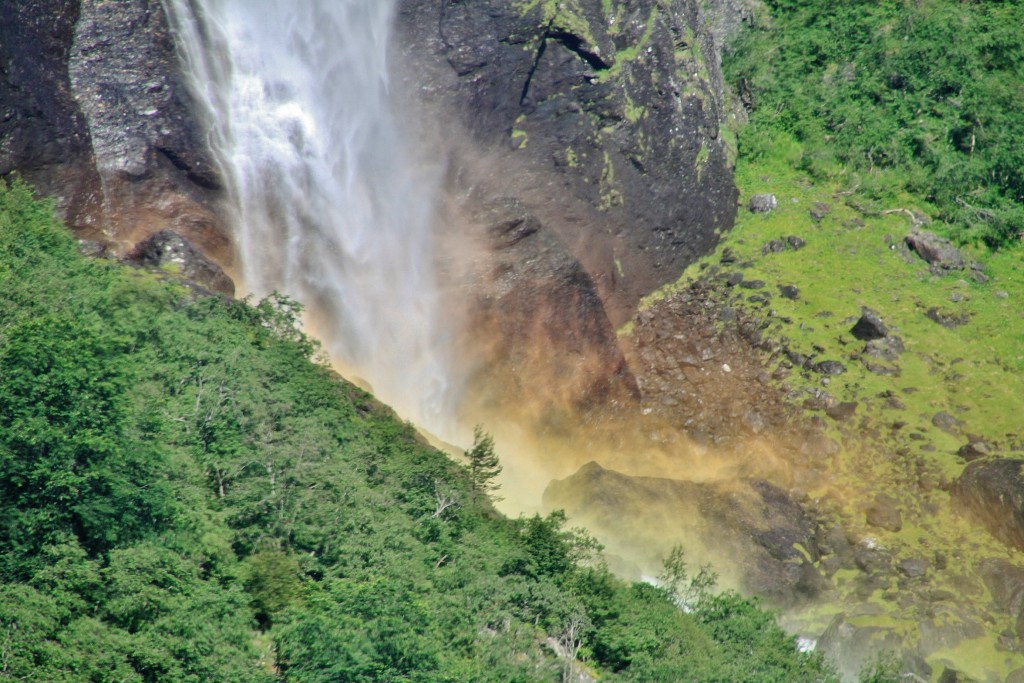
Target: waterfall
{"points": [[329, 203]]}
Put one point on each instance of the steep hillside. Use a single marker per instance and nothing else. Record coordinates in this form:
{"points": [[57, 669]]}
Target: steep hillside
{"points": [[186, 496]]}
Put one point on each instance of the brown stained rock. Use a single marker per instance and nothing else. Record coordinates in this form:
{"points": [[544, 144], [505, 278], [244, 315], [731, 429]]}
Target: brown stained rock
{"points": [[884, 514], [535, 319]]}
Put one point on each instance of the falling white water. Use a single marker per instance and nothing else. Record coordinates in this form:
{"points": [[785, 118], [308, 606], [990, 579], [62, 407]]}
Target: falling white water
{"points": [[330, 206]]}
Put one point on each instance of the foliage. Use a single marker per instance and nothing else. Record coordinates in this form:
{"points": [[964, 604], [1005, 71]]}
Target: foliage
{"points": [[484, 466], [187, 497], [923, 97]]}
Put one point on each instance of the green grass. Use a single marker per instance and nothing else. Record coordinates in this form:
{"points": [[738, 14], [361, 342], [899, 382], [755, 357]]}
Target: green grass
{"points": [[972, 372]]}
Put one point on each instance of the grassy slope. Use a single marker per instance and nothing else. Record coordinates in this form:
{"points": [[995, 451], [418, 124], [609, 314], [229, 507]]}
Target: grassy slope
{"points": [[973, 372]]}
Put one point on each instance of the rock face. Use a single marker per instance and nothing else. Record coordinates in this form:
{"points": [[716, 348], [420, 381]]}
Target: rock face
{"points": [[605, 118], [767, 536], [992, 492], [541, 322], [95, 113], [43, 136]]}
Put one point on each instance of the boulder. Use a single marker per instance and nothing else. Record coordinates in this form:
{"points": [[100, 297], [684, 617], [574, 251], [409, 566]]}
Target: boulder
{"points": [[887, 348], [843, 411], [762, 203], [937, 251], [790, 292], [974, 450], [644, 517], [168, 250], [949, 320], [946, 423], [819, 210], [913, 567], [869, 326], [829, 367], [991, 491], [884, 514]]}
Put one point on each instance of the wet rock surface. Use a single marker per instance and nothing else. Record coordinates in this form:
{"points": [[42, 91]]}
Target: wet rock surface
{"points": [[542, 323], [619, 151]]}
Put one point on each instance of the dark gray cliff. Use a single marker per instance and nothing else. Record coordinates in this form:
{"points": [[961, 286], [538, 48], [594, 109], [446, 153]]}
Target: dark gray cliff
{"points": [[604, 118], [93, 111], [42, 134]]}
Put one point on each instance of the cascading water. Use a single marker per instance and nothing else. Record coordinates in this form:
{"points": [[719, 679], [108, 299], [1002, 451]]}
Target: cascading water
{"points": [[330, 206]]}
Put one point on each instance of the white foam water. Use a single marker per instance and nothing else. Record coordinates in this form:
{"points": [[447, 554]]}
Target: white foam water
{"points": [[330, 204]]}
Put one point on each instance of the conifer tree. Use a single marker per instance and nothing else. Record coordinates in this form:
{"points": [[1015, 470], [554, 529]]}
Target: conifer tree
{"points": [[484, 466]]}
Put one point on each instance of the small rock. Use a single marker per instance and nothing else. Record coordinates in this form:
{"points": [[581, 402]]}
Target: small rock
{"points": [[819, 210], [841, 412], [733, 279], [752, 284], [884, 514], [946, 423], [762, 203], [773, 247], [950, 321], [913, 568], [796, 243], [869, 326], [1002, 294], [937, 251], [726, 368], [979, 277], [974, 450], [789, 292], [829, 367]]}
